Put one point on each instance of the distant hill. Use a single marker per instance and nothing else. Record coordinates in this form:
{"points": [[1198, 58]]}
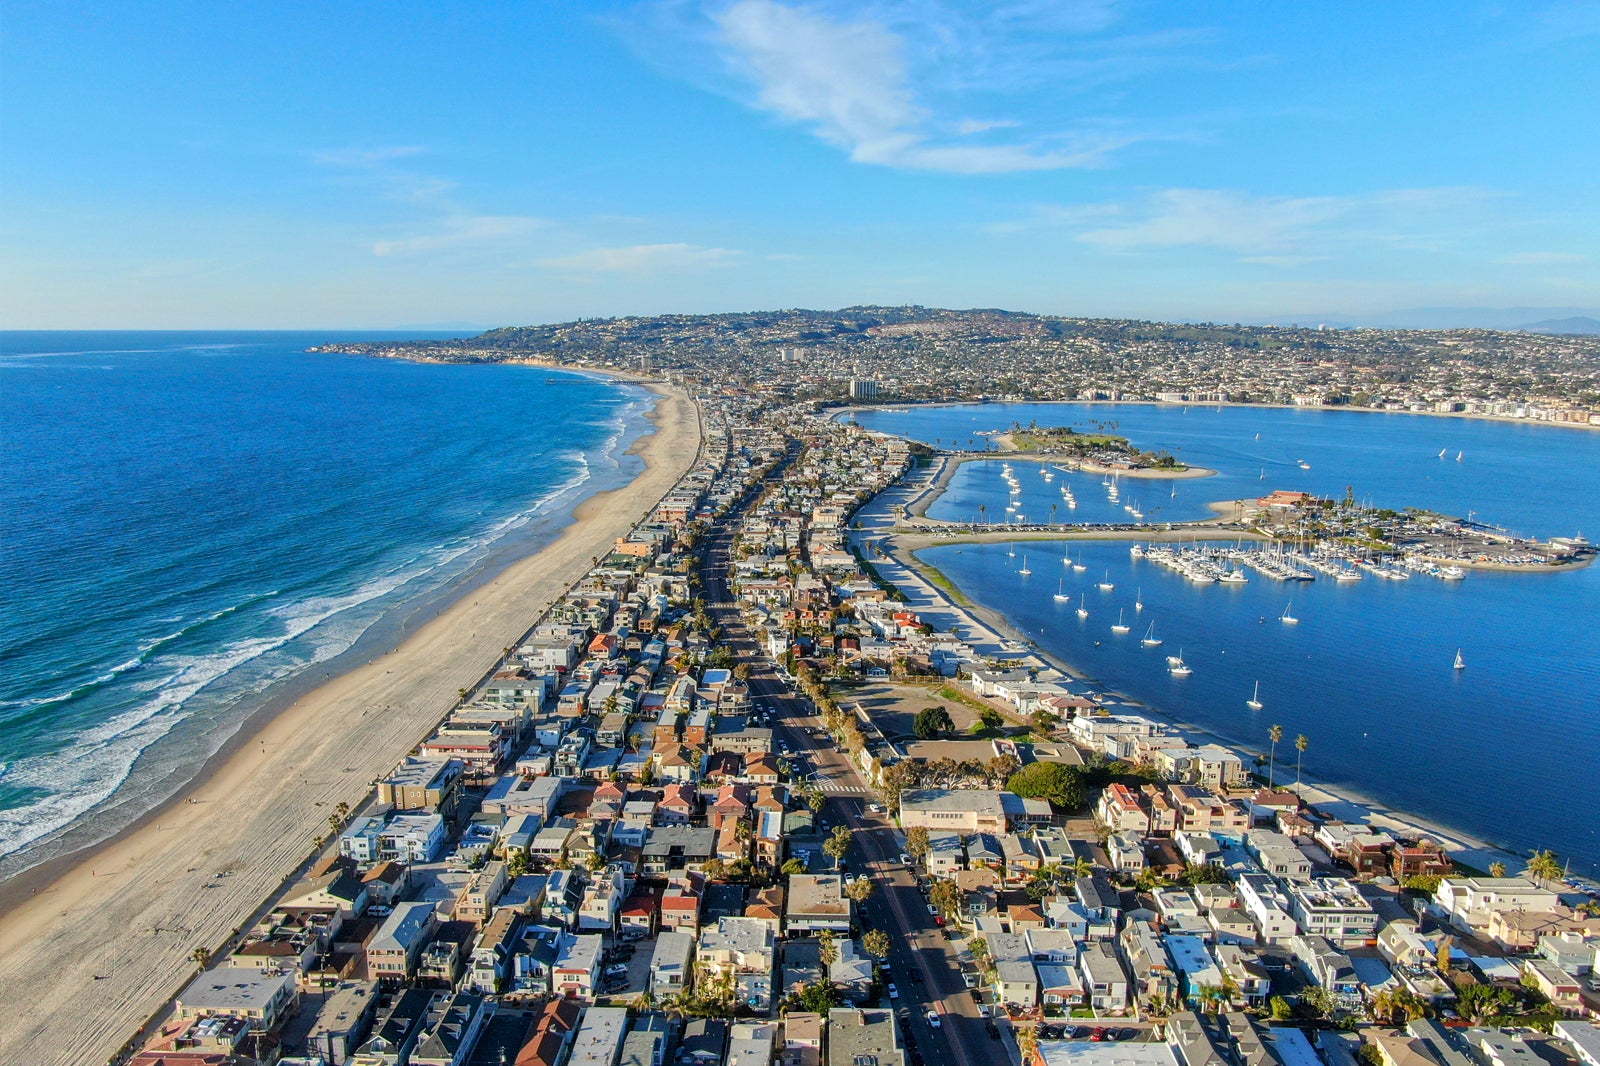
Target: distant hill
{"points": [[1581, 324], [1506, 318]]}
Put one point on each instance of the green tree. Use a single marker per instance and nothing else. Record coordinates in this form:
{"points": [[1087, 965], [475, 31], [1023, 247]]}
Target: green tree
{"points": [[1281, 1011], [1002, 767], [816, 801], [714, 869], [1544, 867], [517, 864], [1497, 869], [859, 890], [1427, 884], [1204, 874], [876, 942], [1319, 1000], [837, 843], [827, 949], [792, 867], [917, 841], [989, 721], [932, 723], [1300, 746], [1276, 733], [819, 997], [1053, 781], [946, 898]]}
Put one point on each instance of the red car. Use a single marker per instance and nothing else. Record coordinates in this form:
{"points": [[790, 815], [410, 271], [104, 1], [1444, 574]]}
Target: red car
{"points": [[1097, 1034], [938, 919]]}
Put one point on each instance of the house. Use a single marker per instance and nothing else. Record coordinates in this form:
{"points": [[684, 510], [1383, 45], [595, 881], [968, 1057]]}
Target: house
{"points": [[451, 1030], [672, 964], [1119, 808], [263, 999], [495, 952], [577, 965], [482, 893], [1468, 902], [602, 900], [428, 784], [1267, 906], [1016, 982], [674, 849], [598, 1039], [1333, 907], [803, 1036], [745, 948], [1197, 971], [1126, 852], [1325, 965], [1154, 983], [750, 1043], [392, 955], [946, 854], [1104, 982], [858, 1037], [966, 811]]}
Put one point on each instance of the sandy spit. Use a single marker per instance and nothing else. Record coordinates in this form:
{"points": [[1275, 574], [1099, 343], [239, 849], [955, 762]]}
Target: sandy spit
{"points": [[103, 945]]}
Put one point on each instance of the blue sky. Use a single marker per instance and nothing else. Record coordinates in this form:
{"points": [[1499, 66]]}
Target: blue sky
{"points": [[391, 164]]}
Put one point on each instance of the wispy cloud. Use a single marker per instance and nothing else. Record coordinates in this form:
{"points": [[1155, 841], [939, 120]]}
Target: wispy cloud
{"points": [[644, 259], [365, 158], [1543, 258], [1268, 230], [848, 80], [458, 231]]}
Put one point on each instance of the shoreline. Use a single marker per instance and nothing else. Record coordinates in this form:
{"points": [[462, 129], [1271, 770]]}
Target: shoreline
{"points": [[840, 412], [103, 960], [65, 846], [1341, 800]]}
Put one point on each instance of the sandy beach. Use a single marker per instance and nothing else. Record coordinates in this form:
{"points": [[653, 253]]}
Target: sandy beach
{"points": [[102, 939]]}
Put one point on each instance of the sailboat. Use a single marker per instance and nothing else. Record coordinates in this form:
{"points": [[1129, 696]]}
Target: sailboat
{"points": [[1083, 612], [1287, 617], [1078, 568], [1176, 666], [1254, 702], [1066, 560], [1442, 451], [1461, 664], [1106, 585], [1024, 571], [1138, 600], [1061, 592], [1121, 626], [1011, 552], [1150, 639], [1458, 457]]}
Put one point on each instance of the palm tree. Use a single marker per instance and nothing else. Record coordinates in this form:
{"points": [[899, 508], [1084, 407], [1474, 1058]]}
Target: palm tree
{"points": [[828, 951], [1300, 746], [1276, 733], [1544, 867], [1497, 869]]}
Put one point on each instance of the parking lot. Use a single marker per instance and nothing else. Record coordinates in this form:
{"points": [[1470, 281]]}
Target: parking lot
{"points": [[636, 956]]}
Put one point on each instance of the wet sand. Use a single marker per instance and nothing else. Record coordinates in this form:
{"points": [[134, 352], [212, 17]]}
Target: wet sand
{"points": [[102, 939]]}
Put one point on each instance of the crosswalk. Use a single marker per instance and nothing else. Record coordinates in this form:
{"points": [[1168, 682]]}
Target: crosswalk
{"points": [[839, 788]]}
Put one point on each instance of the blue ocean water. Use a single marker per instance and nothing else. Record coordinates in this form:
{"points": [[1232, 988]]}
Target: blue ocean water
{"points": [[1505, 750], [193, 521]]}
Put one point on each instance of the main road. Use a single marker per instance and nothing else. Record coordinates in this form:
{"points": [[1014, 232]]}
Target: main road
{"points": [[924, 965]]}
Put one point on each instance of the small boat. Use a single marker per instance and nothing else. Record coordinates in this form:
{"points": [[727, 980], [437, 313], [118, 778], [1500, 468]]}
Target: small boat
{"points": [[1024, 571], [1175, 660], [1254, 702], [1451, 573], [1458, 457], [1461, 664], [1138, 600], [1304, 465], [1150, 639], [1176, 666], [1106, 585], [1061, 593], [1078, 568], [1442, 451], [1083, 612], [1011, 553], [1136, 551], [1121, 626], [1287, 617]]}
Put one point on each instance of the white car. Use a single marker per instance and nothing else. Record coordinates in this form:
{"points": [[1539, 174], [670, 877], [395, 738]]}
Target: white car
{"points": [[894, 993], [619, 970], [933, 1019]]}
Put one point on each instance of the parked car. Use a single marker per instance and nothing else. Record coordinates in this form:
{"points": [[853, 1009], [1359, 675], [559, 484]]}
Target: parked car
{"points": [[984, 1011], [894, 993], [992, 1029], [933, 1019], [619, 970], [1097, 1034], [905, 858], [969, 979]]}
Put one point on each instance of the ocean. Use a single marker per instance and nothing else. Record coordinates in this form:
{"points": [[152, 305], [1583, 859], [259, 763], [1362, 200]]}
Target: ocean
{"points": [[1504, 750], [195, 524]]}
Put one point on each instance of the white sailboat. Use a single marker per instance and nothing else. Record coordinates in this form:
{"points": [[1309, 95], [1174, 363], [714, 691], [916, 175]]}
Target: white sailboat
{"points": [[1287, 617], [1083, 612], [1106, 585], [1078, 568], [1458, 457], [1011, 551], [1442, 451], [1121, 626], [1176, 666], [1024, 571], [1138, 600], [1254, 702], [1061, 592], [1150, 639], [1461, 664]]}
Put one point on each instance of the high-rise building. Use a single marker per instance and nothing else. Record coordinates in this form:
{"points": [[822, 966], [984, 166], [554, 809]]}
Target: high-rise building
{"points": [[861, 389]]}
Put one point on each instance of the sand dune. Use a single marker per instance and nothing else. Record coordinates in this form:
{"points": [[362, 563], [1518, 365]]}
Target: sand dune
{"points": [[86, 958]]}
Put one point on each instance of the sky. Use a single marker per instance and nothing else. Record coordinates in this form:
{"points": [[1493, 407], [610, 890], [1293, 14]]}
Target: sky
{"points": [[417, 165]]}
